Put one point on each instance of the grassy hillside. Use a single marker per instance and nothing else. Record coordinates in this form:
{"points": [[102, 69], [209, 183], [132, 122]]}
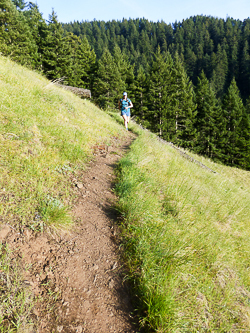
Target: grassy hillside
{"points": [[186, 240], [185, 231], [46, 135]]}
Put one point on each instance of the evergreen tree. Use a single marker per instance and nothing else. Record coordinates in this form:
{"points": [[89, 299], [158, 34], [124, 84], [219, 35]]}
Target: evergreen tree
{"points": [[245, 70], [220, 72], [233, 110], [108, 84], [157, 99], [243, 142], [56, 52], [20, 4], [16, 40], [210, 124], [82, 64], [38, 29], [248, 106], [182, 105], [140, 95]]}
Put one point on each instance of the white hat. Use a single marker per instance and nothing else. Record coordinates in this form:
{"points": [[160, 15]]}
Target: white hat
{"points": [[125, 94]]}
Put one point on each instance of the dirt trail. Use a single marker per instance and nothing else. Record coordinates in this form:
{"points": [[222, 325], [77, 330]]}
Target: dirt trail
{"points": [[81, 269]]}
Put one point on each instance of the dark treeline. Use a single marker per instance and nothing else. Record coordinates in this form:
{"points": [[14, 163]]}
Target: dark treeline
{"points": [[189, 81], [43, 45], [218, 47]]}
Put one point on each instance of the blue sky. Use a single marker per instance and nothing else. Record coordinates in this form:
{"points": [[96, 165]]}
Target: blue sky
{"points": [[154, 10]]}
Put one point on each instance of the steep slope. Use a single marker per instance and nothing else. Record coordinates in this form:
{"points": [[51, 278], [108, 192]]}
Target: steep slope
{"points": [[185, 239], [48, 139], [184, 231]]}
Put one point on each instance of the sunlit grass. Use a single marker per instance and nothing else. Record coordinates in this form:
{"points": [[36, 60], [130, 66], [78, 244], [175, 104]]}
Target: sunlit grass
{"points": [[186, 240], [46, 139], [46, 135], [16, 301]]}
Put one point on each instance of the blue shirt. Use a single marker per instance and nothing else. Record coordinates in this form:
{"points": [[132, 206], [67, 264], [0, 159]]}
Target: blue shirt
{"points": [[124, 103]]}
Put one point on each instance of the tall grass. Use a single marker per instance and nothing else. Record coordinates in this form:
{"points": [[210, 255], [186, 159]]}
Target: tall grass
{"points": [[185, 239], [46, 135]]}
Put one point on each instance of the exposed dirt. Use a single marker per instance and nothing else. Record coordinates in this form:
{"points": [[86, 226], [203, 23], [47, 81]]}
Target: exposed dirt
{"points": [[79, 273]]}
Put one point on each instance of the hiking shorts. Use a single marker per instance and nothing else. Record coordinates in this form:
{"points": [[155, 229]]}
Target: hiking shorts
{"points": [[126, 113]]}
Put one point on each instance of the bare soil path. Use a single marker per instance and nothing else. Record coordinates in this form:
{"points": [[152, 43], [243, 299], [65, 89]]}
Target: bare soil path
{"points": [[81, 270]]}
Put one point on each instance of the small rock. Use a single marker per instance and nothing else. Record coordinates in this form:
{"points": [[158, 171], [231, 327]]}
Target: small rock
{"points": [[27, 233], [111, 284], [78, 329], [36, 312], [66, 304], [50, 275], [27, 282], [4, 231], [114, 266], [59, 328], [79, 185]]}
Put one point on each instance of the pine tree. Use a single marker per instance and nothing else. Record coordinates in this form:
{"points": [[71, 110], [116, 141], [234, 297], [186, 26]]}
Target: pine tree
{"points": [[220, 72], [56, 52], [38, 29], [210, 123], [245, 70], [126, 70], [20, 4], [233, 109], [82, 65], [16, 39], [108, 85], [243, 142], [140, 96], [157, 96], [182, 104]]}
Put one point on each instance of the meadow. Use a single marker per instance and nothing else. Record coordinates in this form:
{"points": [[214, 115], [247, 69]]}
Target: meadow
{"points": [[184, 230], [185, 239], [46, 139]]}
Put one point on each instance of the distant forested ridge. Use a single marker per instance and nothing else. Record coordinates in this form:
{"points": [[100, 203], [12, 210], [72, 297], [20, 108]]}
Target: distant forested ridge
{"points": [[218, 47], [189, 81]]}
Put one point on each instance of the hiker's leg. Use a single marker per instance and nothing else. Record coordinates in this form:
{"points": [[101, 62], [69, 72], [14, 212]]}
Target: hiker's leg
{"points": [[125, 120]]}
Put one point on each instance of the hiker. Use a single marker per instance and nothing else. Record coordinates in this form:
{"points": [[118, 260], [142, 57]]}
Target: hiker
{"points": [[125, 105]]}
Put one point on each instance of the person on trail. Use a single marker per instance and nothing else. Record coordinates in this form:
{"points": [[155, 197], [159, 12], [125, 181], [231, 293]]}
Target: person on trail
{"points": [[125, 105]]}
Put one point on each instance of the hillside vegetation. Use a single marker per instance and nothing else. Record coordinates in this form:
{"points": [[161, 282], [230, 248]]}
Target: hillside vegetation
{"points": [[185, 239], [184, 231], [46, 135]]}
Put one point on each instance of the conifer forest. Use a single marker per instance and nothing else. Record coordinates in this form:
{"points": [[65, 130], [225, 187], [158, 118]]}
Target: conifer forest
{"points": [[189, 81]]}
